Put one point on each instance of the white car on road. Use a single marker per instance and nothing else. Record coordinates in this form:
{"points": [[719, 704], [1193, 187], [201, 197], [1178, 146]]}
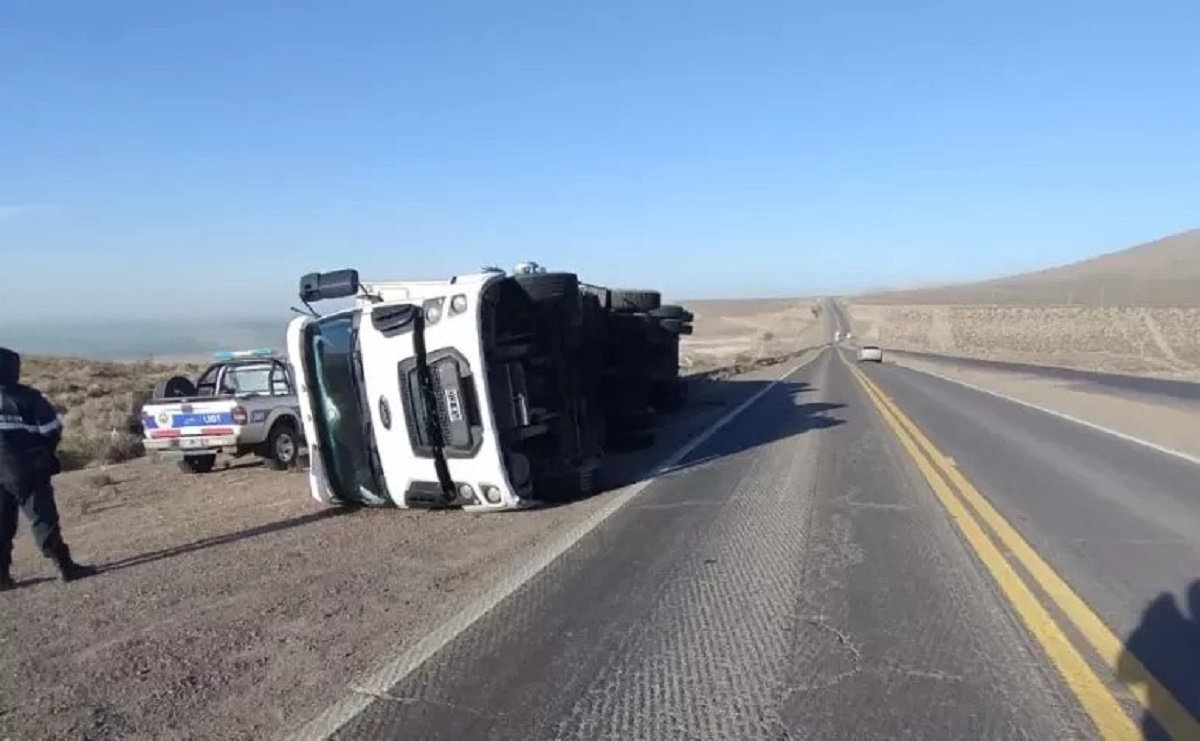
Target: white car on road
{"points": [[870, 352]]}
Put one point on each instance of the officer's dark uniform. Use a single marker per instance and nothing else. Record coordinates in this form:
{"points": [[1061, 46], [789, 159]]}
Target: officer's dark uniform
{"points": [[30, 431]]}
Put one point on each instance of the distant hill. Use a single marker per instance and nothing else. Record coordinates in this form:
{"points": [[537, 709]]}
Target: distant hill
{"points": [[1165, 272]]}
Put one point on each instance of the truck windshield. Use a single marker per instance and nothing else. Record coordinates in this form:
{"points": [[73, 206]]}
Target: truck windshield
{"points": [[343, 425]]}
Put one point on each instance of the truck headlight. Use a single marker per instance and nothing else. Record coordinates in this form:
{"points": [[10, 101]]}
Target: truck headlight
{"points": [[458, 304], [433, 310]]}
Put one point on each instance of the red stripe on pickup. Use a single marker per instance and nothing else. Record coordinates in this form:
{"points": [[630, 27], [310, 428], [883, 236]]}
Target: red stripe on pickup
{"points": [[165, 433], [216, 431]]}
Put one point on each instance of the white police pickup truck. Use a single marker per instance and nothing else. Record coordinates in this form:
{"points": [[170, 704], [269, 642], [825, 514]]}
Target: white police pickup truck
{"points": [[244, 403]]}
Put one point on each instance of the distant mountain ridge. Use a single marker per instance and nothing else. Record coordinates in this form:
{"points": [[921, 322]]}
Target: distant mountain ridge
{"points": [[1164, 272]]}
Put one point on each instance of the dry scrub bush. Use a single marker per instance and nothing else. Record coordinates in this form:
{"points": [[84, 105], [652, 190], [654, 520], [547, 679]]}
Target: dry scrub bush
{"points": [[99, 402]]}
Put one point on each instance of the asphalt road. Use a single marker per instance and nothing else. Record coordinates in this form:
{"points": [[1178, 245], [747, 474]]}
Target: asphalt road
{"points": [[796, 577]]}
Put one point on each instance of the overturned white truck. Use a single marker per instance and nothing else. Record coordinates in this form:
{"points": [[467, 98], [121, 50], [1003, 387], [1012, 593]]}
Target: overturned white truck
{"points": [[483, 391]]}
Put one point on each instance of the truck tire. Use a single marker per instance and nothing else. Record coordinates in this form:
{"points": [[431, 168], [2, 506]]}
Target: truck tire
{"points": [[633, 301], [568, 487], [175, 387], [283, 446], [631, 439], [600, 292], [541, 287], [671, 311], [668, 397], [676, 326], [198, 463]]}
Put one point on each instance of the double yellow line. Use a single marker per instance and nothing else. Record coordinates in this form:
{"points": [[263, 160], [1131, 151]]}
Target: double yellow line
{"points": [[983, 527]]}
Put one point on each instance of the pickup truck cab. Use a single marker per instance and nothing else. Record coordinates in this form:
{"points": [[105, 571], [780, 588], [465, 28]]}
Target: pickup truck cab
{"points": [[244, 403], [484, 391]]}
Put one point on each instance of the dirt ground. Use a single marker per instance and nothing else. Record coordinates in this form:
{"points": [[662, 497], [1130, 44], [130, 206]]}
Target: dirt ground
{"points": [[1169, 424], [233, 606], [1152, 341], [736, 331]]}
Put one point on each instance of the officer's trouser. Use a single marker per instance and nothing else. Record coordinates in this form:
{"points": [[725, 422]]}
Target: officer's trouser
{"points": [[38, 505]]}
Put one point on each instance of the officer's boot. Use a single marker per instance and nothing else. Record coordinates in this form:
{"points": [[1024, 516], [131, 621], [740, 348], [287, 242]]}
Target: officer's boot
{"points": [[67, 568], [6, 580]]}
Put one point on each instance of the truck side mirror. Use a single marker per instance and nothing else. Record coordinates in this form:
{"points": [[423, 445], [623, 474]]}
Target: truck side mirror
{"points": [[334, 284]]}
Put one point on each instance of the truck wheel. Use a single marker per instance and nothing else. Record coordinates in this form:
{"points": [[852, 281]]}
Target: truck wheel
{"points": [[671, 311], [634, 301], [600, 293], [175, 387], [282, 446], [676, 326], [668, 396], [631, 439], [568, 487], [549, 286], [197, 463]]}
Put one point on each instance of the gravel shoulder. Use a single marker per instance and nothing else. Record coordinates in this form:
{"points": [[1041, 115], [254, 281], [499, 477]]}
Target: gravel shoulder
{"points": [[1171, 424], [233, 606]]}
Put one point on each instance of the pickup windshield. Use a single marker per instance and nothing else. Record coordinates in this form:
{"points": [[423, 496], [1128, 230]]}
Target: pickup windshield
{"points": [[343, 426]]}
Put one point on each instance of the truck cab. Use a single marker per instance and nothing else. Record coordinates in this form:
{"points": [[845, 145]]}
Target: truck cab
{"points": [[472, 392]]}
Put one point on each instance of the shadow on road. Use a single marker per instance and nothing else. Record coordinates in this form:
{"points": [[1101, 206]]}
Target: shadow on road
{"points": [[1167, 644], [219, 540], [753, 429]]}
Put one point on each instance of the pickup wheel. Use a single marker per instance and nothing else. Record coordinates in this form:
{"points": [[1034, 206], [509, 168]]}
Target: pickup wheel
{"points": [[175, 387], [283, 447], [197, 463]]}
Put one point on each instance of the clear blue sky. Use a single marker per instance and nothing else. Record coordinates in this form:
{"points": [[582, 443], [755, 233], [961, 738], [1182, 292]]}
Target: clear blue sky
{"points": [[169, 155]]}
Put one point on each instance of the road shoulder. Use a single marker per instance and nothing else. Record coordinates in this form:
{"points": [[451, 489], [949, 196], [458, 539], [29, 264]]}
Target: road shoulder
{"points": [[1166, 424]]}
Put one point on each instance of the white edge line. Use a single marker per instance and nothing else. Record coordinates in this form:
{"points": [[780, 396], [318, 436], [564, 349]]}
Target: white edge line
{"points": [[365, 692], [1099, 428]]}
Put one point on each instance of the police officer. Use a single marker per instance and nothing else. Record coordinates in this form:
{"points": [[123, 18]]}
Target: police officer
{"points": [[30, 431]]}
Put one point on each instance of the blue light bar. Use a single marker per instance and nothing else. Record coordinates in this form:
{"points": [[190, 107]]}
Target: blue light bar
{"points": [[264, 352]]}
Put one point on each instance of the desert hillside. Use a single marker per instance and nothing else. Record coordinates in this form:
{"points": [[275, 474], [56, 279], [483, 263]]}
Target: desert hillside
{"points": [[1134, 311], [1165, 272], [734, 331]]}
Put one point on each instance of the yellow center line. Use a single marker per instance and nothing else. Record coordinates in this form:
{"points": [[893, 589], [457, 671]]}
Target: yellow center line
{"points": [[1151, 694], [1104, 710]]}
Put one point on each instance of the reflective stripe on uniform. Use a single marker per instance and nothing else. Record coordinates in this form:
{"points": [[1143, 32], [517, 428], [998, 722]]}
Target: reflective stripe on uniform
{"points": [[10, 422]]}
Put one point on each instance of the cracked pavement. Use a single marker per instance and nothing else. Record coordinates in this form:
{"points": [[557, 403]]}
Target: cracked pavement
{"points": [[818, 593]]}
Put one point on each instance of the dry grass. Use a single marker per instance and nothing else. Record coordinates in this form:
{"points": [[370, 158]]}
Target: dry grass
{"points": [[1162, 341], [99, 402]]}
